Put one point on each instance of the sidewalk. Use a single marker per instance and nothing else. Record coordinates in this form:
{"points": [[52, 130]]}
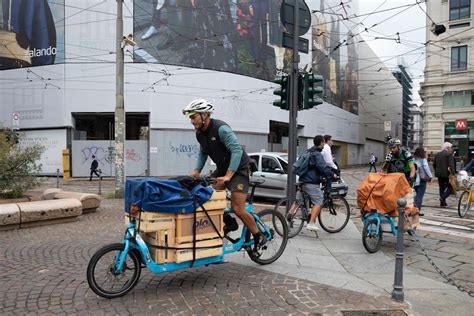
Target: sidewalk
{"points": [[340, 260]]}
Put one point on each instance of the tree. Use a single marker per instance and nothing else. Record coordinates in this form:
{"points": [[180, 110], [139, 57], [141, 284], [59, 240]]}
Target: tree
{"points": [[18, 167]]}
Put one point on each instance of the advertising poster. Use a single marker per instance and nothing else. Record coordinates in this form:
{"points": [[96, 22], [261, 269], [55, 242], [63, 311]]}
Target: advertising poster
{"points": [[245, 37], [31, 33]]}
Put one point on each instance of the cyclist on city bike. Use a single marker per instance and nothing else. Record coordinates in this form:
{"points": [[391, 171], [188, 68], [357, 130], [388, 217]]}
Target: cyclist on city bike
{"points": [[219, 142], [399, 160], [317, 171]]}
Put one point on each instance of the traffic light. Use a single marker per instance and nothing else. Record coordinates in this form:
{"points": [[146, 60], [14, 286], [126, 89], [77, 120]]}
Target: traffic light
{"points": [[282, 92], [310, 93]]}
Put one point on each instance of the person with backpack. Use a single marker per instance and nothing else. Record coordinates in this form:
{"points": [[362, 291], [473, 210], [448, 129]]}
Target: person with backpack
{"points": [[312, 169], [423, 175], [219, 142]]}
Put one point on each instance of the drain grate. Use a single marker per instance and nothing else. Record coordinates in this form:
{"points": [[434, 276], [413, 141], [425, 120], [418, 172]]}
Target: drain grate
{"points": [[375, 313]]}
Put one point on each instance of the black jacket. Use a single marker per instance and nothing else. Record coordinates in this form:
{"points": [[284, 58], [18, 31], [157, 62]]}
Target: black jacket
{"points": [[94, 164], [214, 147], [441, 162]]}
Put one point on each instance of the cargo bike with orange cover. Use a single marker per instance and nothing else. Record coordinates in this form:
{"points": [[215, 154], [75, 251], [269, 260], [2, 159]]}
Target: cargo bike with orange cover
{"points": [[377, 197], [174, 225]]}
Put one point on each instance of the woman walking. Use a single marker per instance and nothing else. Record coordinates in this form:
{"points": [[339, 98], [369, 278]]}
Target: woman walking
{"points": [[423, 175]]}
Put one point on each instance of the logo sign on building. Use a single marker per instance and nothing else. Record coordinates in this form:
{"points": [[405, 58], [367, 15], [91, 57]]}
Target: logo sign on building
{"points": [[15, 120], [460, 125], [387, 126]]}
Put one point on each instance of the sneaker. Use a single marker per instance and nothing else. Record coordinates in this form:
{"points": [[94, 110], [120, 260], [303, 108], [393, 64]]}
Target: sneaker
{"points": [[259, 241], [312, 227], [149, 33]]}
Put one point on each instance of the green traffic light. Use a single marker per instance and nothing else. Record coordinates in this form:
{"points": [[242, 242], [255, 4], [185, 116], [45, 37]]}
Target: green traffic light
{"points": [[282, 92], [311, 92]]}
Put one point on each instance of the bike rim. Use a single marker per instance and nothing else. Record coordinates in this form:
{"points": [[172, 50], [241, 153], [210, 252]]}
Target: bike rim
{"points": [[275, 225], [106, 276], [294, 220], [371, 238], [335, 217]]}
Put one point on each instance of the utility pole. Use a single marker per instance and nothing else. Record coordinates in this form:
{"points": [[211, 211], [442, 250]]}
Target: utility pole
{"points": [[119, 108], [293, 107]]}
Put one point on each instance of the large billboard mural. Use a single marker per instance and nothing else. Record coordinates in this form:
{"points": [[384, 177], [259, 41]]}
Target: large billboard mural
{"points": [[31, 33], [244, 37]]}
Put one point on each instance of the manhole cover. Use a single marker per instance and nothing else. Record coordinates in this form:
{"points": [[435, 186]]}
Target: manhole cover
{"points": [[375, 313]]}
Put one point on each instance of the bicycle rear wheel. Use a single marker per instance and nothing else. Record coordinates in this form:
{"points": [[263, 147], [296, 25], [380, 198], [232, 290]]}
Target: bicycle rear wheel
{"points": [[276, 243], [371, 239], [335, 216], [464, 204], [102, 274], [294, 219]]}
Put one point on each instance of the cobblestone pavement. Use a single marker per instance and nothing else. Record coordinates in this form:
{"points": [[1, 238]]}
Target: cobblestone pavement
{"points": [[43, 271], [449, 240]]}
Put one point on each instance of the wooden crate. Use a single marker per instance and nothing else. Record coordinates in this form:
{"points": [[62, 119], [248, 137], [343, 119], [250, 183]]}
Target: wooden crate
{"points": [[204, 228], [165, 238], [217, 202], [187, 254], [154, 221]]}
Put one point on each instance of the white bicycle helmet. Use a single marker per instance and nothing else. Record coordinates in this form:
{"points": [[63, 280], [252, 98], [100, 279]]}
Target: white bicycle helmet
{"points": [[198, 106], [393, 142]]}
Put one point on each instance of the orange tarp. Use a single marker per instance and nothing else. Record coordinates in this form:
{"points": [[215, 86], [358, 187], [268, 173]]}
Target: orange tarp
{"points": [[380, 191]]}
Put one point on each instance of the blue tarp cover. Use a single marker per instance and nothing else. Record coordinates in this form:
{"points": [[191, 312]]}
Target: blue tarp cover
{"points": [[166, 196]]}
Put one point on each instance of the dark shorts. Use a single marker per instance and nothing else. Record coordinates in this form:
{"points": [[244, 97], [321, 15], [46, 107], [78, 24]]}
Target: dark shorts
{"points": [[240, 182]]}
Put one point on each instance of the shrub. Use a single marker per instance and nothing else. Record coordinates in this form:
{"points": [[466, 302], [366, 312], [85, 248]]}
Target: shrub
{"points": [[18, 167]]}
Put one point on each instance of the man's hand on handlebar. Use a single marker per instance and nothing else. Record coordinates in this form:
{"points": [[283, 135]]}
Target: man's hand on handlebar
{"points": [[195, 174], [222, 180]]}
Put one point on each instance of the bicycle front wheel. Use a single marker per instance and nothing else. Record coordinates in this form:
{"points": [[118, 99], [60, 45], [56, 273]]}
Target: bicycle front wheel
{"points": [[335, 216], [102, 274], [464, 204], [294, 216], [277, 238]]}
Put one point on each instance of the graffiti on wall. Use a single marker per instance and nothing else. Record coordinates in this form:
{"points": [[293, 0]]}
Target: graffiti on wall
{"points": [[104, 152], [190, 150]]}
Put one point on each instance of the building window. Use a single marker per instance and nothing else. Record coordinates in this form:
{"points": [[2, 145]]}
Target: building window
{"points": [[459, 58], [458, 99], [459, 9]]}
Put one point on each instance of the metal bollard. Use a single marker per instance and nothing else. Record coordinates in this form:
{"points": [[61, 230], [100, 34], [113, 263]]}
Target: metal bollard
{"points": [[100, 181], [397, 293], [57, 178]]}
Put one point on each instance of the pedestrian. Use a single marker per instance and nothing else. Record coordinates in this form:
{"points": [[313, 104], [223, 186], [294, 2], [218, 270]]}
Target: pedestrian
{"points": [[94, 166], [399, 160], [219, 142], [317, 171], [423, 175], [443, 165], [372, 162]]}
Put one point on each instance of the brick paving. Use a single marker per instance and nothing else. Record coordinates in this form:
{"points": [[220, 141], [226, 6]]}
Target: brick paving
{"points": [[43, 271]]}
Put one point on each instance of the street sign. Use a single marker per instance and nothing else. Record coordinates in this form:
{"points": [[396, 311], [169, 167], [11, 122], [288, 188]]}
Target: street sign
{"points": [[16, 120], [303, 43], [387, 126], [461, 125], [288, 20]]}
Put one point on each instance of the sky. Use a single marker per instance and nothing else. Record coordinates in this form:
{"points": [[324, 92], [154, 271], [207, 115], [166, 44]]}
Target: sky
{"points": [[410, 24]]}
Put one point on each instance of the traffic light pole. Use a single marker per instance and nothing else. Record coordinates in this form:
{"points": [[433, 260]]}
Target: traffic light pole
{"points": [[119, 109], [293, 106]]}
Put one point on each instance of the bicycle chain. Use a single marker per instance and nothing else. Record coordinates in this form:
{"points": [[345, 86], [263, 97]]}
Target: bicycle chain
{"points": [[434, 265]]}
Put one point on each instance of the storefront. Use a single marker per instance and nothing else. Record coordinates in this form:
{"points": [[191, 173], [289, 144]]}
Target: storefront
{"points": [[461, 134]]}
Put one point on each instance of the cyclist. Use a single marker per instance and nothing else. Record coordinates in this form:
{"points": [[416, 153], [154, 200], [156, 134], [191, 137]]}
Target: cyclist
{"points": [[218, 141], [317, 171], [399, 160]]}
